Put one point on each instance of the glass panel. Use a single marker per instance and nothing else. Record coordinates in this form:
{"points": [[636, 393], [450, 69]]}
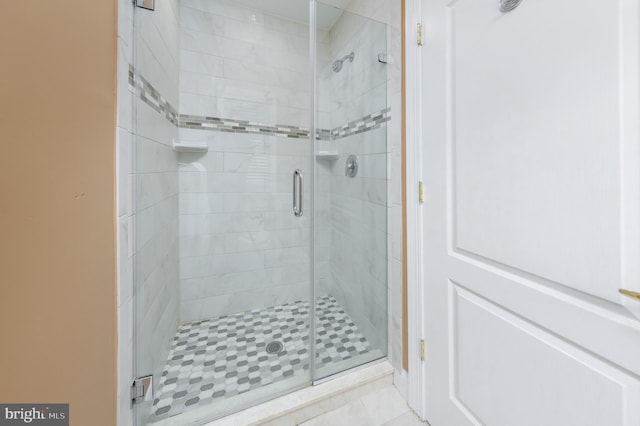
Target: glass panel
{"points": [[351, 191], [223, 266]]}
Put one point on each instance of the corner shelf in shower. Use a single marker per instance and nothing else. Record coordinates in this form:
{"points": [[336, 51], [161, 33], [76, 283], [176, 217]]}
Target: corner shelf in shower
{"points": [[327, 155], [190, 146]]}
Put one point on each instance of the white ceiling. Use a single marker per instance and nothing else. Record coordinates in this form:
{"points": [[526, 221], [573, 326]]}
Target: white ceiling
{"points": [[298, 10]]}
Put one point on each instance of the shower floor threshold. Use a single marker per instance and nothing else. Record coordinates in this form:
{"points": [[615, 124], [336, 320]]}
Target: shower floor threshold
{"points": [[295, 406], [222, 365]]}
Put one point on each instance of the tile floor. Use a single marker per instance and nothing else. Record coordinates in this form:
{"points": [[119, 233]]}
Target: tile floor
{"points": [[384, 407], [229, 355]]}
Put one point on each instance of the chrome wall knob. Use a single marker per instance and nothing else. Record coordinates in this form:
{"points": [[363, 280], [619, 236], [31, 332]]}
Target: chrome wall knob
{"points": [[351, 166]]}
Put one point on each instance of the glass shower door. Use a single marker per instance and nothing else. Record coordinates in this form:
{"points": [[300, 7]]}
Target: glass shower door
{"points": [[350, 250], [222, 263]]}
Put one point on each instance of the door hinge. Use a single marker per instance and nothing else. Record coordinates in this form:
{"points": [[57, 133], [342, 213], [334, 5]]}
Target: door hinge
{"points": [[419, 35], [423, 350], [142, 389], [145, 4], [420, 192]]}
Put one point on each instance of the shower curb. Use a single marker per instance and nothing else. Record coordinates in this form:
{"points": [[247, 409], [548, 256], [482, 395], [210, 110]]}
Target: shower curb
{"points": [[313, 401]]}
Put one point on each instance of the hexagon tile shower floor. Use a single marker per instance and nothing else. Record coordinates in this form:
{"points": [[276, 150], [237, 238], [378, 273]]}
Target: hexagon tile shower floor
{"points": [[222, 357]]}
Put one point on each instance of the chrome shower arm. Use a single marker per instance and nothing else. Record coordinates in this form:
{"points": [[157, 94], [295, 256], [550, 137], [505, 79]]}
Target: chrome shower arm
{"points": [[350, 57]]}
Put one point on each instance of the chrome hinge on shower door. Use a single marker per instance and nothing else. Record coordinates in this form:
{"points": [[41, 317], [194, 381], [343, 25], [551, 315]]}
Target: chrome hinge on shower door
{"points": [[145, 4], [419, 34], [142, 389]]}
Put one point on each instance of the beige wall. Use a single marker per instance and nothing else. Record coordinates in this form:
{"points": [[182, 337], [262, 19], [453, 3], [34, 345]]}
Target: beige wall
{"points": [[57, 205]]}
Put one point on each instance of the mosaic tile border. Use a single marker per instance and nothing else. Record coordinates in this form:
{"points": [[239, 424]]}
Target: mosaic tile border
{"points": [[149, 95], [368, 122], [233, 125], [153, 98]]}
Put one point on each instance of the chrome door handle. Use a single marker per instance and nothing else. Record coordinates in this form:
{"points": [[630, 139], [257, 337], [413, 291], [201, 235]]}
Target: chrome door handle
{"points": [[630, 294], [298, 192]]}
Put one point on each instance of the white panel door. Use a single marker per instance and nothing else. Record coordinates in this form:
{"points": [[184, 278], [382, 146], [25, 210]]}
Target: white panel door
{"points": [[531, 159]]}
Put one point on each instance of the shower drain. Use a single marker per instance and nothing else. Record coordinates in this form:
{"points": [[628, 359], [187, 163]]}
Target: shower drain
{"points": [[274, 347]]}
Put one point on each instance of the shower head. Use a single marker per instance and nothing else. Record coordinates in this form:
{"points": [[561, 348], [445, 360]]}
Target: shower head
{"points": [[337, 64]]}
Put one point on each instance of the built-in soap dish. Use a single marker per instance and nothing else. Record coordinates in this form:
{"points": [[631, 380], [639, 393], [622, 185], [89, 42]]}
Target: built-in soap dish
{"points": [[327, 155], [190, 146]]}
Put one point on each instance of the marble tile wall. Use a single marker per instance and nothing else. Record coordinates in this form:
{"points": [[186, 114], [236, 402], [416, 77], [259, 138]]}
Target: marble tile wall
{"points": [[241, 247], [358, 260], [366, 210], [389, 12], [358, 206], [147, 179]]}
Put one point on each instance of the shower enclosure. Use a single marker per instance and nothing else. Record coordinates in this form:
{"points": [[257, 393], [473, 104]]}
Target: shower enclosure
{"points": [[260, 251]]}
